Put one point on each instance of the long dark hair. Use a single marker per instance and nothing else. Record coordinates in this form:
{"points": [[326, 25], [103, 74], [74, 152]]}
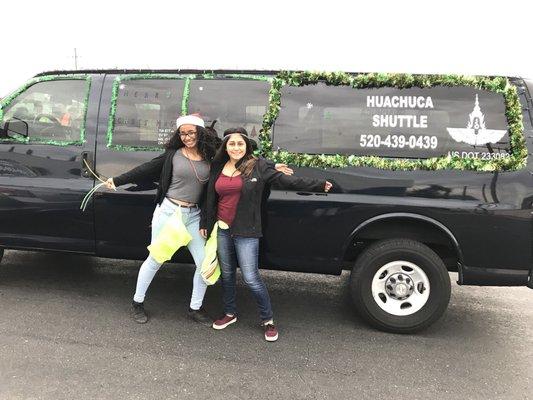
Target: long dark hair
{"points": [[206, 143], [247, 163]]}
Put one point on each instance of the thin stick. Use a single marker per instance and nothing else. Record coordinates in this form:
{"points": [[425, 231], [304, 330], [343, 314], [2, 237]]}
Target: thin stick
{"points": [[87, 197], [92, 172]]}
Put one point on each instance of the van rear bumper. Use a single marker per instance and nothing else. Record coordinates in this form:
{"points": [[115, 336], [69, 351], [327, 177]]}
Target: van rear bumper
{"points": [[494, 276]]}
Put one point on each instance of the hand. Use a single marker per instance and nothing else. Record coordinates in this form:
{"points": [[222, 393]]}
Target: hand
{"points": [[203, 232], [328, 186], [284, 169], [110, 184]]}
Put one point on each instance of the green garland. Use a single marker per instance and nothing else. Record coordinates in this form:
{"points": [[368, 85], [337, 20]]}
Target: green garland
{"points": [[113, 110], [501, 85], [516, 160], [186, 94], [184, 102], [7, 101]]}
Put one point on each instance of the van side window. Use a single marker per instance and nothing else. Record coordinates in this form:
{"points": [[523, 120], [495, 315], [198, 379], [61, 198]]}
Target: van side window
{"points": [[231, 103], [47, 112], [146, 111], [391, 122]]}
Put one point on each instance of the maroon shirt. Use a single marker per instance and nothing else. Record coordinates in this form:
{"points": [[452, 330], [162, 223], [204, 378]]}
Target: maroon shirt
{"points": [[229, 193]]}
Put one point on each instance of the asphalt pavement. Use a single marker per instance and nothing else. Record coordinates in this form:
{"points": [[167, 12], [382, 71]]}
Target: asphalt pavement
{"points": [[66, 333]]}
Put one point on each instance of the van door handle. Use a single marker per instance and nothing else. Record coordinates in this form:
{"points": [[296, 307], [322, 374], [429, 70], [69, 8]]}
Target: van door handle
{"points": [[304, 194], [86, 159], [485, 208]]}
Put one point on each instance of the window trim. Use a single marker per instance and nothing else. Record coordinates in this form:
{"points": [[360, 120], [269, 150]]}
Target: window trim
{"points": [[238, 77], [113, 107], [7, 101], [501, 85], [184, 102]]}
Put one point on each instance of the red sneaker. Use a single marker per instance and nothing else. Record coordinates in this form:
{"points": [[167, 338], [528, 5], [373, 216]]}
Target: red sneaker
{"points": [[271, 332], [224, 321]]}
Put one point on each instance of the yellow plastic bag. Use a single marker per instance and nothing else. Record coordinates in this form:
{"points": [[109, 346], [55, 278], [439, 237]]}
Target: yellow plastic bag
{"points": [[210, 267], [172, 236]]}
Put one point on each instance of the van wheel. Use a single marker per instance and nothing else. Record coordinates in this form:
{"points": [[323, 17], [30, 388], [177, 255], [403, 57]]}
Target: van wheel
{"points": [[1, 253], [400, 286]]}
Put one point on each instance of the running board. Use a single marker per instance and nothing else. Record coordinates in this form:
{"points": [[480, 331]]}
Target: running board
{"points": [[494, 276]]}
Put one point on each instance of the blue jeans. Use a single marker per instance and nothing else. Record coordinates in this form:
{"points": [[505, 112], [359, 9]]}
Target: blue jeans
{"points": [[191, 219], [243, 252]]}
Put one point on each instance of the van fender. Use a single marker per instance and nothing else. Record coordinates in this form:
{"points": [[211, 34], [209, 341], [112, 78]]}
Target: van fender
{"points": [[413, 216]]}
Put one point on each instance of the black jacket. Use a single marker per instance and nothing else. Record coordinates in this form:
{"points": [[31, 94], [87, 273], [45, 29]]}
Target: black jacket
{"points": [[247, 220], [159, 170]]}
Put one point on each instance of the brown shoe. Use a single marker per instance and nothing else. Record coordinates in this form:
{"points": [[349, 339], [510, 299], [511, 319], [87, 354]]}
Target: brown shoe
{"points": [[271, 332], [224, 321]]}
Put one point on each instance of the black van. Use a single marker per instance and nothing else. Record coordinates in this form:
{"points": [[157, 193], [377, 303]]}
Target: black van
{"points": [[434, 171]]}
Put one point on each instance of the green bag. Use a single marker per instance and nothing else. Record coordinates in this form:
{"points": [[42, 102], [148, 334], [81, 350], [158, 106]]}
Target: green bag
{"points": [[172, 236], [210, 267]]}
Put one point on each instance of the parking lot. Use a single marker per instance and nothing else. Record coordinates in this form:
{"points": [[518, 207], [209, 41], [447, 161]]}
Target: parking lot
{"points": [[66, 333]]}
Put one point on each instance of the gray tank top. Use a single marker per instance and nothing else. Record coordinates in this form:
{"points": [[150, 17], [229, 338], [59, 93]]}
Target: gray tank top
{"points": [[185, 185]]}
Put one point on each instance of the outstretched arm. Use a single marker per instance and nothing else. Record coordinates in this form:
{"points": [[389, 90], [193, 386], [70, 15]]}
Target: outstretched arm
{"points": [[284, 168], [149, 171], [270, 174]]}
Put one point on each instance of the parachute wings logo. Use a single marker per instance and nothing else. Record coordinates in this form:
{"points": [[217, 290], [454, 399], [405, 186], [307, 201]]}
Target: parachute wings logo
{"points": [[475, 132]]}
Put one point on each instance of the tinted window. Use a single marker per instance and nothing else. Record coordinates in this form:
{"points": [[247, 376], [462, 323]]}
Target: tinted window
{"points": [[146, 111], [390, 122], [47, 111], [231, 103]]}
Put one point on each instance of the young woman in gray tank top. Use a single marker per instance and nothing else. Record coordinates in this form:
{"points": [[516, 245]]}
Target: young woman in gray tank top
{"points": [[182, 171]]}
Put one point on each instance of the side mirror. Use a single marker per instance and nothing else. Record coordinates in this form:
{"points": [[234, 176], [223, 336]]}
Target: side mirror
{"points": [[16, 128]]}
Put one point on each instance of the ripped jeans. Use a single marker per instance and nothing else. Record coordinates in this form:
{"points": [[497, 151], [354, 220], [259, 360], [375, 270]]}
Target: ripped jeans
{"points": [[191, 219]]}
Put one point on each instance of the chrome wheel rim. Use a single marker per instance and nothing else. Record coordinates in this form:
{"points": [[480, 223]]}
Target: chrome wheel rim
{"points": [[400, 288]]}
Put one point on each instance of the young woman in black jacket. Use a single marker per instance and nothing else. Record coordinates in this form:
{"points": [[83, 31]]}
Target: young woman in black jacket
{"points": [[237, 181]]}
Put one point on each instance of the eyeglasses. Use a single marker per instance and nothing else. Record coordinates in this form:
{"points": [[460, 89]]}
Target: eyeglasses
{"points": [[190, 134]]}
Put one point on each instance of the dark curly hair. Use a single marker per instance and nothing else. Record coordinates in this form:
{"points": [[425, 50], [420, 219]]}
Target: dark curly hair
{"points": [[207, 144]]}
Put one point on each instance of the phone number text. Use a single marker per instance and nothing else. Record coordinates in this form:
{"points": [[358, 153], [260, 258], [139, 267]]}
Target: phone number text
{"points": [[399, 141]]}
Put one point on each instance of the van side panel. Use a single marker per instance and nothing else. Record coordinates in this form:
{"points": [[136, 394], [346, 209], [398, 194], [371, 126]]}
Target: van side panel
{"points": [[488, 213]]}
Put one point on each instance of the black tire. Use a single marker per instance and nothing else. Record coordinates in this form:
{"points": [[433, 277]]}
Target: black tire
{"points": [[1, 253], [383, 252]]}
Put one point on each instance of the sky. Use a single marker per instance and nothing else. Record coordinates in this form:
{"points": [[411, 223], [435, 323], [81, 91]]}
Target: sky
{"points": [[462, 37]]}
